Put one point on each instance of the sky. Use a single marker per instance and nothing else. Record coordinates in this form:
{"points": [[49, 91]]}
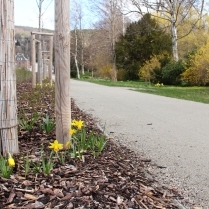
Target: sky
{"points": [[26, 13]]}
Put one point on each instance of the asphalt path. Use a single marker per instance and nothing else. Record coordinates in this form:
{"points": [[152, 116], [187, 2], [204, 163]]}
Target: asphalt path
{"points": [[173, 133]]}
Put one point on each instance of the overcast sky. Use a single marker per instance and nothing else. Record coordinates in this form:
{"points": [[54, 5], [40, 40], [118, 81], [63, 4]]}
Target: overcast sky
{"points": [[26, 13]]}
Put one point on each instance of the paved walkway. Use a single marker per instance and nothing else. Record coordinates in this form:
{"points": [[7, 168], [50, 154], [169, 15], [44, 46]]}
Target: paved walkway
{"points": [[173, 133]]}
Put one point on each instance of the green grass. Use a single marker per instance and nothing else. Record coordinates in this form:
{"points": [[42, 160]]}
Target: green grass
{"points": [[23, 75], [197, 94]]}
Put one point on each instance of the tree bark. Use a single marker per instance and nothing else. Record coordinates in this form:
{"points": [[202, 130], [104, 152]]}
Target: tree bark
{"points": [[174, 41], [76, 54], [174, 31], [62, 70], [8, 100]]}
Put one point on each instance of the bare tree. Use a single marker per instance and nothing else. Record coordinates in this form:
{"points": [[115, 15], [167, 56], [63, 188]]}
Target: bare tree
{"points": [[41, 11], [8, 100], [75, 53], [173, 11], [77, 20], [112, 23]]}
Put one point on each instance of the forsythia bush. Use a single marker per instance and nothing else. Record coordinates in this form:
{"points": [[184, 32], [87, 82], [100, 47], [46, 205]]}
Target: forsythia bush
{"points": [[146, 71], [105, 71], [198, 72]]}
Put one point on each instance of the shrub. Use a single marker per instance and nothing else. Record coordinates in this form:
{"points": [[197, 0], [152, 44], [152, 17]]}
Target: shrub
{"points": [[146, 71], [171, 73], [197, 73], [105, 71], [151, 71], [121, 75], [73, 74]]}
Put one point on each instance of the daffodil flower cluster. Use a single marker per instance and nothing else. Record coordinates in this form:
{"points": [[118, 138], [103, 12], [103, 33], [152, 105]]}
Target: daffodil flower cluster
{"points": [[158, 84], [75, 126]]}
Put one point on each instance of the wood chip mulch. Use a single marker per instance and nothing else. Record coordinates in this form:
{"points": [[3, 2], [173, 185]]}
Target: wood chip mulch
{"points": [[117, 179]]}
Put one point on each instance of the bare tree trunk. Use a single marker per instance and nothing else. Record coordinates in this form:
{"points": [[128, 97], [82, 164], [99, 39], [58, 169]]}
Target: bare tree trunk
{"points": [[82, 63], [82, 47], [174, 31], [62, 70], [33, 59], [39, 14], [174, 41], [8, 100], [113, 7], [76, 54]]}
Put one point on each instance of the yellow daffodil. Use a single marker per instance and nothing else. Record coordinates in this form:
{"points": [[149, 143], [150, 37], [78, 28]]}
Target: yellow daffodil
{"points": [[67, 145], [11, 161], [73, 123], [72, 131], [79, 124], [56, 146]]}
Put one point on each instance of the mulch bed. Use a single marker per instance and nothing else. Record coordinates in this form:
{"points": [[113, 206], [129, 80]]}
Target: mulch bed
{"points": [[116, 179]]}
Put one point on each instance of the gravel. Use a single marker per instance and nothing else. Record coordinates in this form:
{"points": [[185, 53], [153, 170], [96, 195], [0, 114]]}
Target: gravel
{"points": [[173, 133]]}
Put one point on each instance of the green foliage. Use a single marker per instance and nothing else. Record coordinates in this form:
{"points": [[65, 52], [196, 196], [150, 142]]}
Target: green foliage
{"points": [[27, 163], [83, 142], [28, 123], [73, 74], [151, 71], [171, 73], [142, 39], [47, 163], [48, 125], [147, 70], [5, 169]]}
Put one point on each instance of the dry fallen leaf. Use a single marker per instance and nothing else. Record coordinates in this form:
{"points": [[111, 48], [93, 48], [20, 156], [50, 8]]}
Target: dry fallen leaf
{"points": [[119, 200], [58, 193], [30, 197]]}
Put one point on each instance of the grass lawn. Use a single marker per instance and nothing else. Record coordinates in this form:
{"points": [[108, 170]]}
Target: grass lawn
{"points": [[197, 94]]}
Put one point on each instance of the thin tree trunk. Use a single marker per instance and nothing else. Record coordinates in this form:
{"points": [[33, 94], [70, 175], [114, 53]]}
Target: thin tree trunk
{"points": [[174, 40], [76, 53], [62, 70], [82, 49], [8, 100]]}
